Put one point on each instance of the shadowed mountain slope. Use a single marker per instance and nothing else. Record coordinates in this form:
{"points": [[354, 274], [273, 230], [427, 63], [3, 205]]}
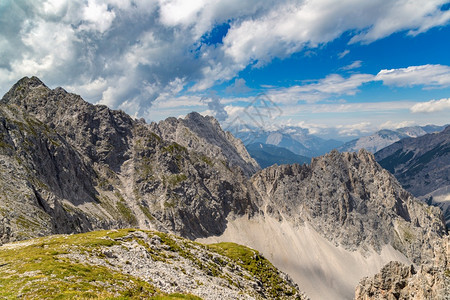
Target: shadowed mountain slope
{"points": [[78, 167], [422, 166]]}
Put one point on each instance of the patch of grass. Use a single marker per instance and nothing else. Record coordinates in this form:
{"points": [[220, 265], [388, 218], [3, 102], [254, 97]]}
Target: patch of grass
{"points": [[27, 223], [119, 196], [252, 261], [408, 235], [145, 168], [147, 212], [175, 148], [174, 179], [103, 183], [166, 239], [155, 136], [126, 212], [170, 204], [207, 160]]}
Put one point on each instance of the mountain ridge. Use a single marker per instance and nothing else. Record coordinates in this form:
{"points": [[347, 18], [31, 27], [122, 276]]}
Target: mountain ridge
{"points": [[295, 139], [422, 166], [135, 177], [325, 222], [193, 179], [385, 137]]}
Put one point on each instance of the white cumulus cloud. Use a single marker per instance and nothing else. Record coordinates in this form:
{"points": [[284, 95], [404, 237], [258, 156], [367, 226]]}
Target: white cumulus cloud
{"points": [[128, 53], [427, 75], [431, 106]]}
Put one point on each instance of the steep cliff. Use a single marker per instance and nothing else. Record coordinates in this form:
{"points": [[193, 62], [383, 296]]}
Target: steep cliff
{"points": [[81, 167], [400, 281], [335, 221], [351, 201]]}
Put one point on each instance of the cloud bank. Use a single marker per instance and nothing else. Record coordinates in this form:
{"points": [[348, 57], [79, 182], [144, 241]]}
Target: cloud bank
{"points": [[431, 106], [431, 76], [130, 54]]}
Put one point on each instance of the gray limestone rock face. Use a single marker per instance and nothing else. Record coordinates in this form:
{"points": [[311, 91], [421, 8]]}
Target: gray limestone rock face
{"points": [[43, 180], [84, 167], [399, 281], [204, 135], [352, 201]]}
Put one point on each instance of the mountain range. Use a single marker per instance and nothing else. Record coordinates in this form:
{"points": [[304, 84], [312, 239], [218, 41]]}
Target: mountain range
{"points": [[67, 166], [267, 155], [295, 139], [386, 137], [422, 166]]}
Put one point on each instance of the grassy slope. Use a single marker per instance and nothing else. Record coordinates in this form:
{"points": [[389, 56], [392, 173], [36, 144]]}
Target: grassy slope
{"points": [[38, 268], [35, 271]]}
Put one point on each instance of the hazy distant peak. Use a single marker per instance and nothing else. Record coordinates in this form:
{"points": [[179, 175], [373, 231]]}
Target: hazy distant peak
{"points": [[386, 137]]}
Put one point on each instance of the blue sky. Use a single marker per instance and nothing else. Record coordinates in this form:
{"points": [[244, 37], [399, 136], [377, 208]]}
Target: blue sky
{"points": [[338, 68]]}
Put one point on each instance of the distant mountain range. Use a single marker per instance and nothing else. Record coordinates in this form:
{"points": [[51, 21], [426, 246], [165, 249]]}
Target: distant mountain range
{"points": [[422, 166], [296, 145], [386, 137], [267, 155], [295, 139]]}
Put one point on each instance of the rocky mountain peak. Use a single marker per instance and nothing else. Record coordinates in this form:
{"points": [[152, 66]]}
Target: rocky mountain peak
{"points": [[198, 118], [204, 135], [94, 130], [27, 82], [351, 200], [85, 167], [24, 87]]}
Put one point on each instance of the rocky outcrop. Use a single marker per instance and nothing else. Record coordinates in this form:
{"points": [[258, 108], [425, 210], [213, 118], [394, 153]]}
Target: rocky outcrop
{"points": [[204, 135], [43, 181], [353, 202], [101, 134], [399, 281], [335, 221]]}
